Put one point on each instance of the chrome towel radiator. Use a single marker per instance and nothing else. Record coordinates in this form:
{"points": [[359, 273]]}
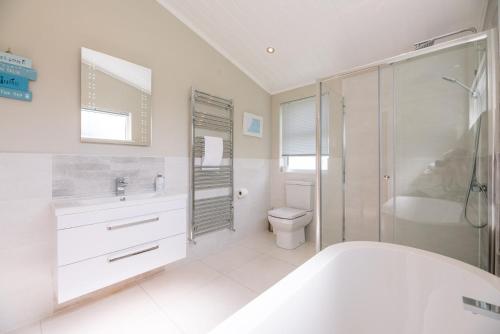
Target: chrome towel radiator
{"points": [[211, 186]]}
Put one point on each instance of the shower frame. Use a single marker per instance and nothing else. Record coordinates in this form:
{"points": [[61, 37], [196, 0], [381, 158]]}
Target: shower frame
{"points": [[492, 41]]}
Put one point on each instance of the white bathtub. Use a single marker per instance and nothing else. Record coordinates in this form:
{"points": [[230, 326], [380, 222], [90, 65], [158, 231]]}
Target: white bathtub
{"points": [[376, 288]]}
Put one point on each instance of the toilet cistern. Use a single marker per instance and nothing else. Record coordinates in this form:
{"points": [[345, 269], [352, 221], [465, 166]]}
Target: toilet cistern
{"points": [[289, 222]]}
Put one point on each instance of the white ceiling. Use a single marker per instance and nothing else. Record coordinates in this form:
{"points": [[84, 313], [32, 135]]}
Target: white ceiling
{"points": [[318, 38]]}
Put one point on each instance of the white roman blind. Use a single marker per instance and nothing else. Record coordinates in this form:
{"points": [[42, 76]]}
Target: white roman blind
{"points": [[298, 127]]}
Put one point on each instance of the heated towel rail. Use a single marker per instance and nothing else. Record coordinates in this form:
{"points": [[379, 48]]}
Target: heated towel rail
{"points": [[211, 186]]}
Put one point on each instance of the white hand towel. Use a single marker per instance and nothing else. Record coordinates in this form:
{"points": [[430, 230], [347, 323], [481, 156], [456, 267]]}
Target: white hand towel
{"points": [[213, 151]]}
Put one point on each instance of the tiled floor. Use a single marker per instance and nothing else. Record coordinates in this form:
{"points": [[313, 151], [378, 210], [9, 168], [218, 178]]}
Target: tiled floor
{"points": [[190, 297]]}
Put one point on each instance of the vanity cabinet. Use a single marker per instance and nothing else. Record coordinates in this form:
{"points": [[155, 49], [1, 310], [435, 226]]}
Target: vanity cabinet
{"points": [[102, 244]]}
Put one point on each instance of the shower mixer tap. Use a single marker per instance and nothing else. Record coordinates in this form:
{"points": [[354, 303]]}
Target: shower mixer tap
{"points": [[479, 187]]}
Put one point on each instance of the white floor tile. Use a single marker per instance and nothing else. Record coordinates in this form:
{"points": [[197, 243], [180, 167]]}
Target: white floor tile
{"points": [[204, 308], [189, 297], [32, 329], [154, 323], [295, 256], [261, 273], [231, 258], [261, 242], [266, 243], [120, 313], [167, 287]]}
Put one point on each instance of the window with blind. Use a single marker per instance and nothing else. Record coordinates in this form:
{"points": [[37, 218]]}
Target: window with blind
{"points": [[298, 134], [99, 124]]}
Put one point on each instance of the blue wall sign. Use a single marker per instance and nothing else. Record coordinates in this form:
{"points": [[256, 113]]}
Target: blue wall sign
{"points": [[15, 74], [24, 72], [9, 58], [13, 82], [15, 94]]}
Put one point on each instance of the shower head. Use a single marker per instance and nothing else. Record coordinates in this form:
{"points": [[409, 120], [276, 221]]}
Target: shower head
{"points": [[430, 42], [470, 90], [424, 44]]}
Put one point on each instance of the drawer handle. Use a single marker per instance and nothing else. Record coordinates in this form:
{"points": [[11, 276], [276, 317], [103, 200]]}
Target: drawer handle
{"points": [[113, 259], [115, 227]]}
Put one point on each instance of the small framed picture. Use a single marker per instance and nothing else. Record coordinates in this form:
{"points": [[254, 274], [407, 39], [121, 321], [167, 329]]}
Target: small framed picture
{"points": [[252, 125]]}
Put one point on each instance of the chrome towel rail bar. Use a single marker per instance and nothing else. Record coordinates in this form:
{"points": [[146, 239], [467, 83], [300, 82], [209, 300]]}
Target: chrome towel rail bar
{"points": [[210, 114]]}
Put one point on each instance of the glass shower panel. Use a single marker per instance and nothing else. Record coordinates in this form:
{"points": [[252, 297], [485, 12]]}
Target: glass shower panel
{"points": [[332, 205], [433, 151]]}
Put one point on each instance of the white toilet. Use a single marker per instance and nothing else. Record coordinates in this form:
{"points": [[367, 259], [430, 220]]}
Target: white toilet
{"points": [[289, 223]]}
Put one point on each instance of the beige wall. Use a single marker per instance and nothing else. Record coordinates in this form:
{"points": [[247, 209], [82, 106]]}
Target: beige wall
{"points": [[491, 15], [51, 32]]}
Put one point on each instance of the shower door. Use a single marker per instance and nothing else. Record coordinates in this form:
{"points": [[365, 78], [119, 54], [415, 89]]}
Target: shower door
{"points": [[332, 196], [411, 145], [434, 152]]}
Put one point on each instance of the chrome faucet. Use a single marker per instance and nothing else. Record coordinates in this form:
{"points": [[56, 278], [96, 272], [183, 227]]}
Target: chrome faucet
{"points": [[121, 184]]}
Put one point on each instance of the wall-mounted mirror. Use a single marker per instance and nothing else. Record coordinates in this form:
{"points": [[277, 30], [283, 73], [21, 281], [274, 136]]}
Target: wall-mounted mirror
{"points": [[115, 100]]}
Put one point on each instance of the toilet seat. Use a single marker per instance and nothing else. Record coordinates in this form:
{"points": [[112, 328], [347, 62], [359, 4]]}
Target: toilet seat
{"points": [[286, 213]]}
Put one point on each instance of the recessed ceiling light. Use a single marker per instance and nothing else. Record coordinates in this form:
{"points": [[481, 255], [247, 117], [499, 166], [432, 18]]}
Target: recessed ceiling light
{"points": [[270, 49]]}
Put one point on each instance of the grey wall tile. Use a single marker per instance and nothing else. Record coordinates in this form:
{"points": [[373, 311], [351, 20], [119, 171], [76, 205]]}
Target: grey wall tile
{"points": [[87, 176]]}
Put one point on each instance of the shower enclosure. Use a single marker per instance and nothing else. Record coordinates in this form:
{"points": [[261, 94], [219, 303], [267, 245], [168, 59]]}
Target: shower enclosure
{"points": [[411, 145]]}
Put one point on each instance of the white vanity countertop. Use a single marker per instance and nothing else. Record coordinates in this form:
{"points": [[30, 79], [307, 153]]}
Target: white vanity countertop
{"points": [[72, 206]]}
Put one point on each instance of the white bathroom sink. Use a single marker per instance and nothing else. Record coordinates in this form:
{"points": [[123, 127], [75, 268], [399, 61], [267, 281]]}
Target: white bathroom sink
{"points": [[92, 204], [104, 200]]}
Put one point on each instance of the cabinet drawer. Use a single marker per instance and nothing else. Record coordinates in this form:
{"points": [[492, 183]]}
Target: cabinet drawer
{"points": [[80, 278], [84, 242]]}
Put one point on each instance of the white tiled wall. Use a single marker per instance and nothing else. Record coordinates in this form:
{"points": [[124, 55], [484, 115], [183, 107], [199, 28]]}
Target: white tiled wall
{"points": [[177, 173], [27, 239], [250, 212], [25, 176], [27, 231]]}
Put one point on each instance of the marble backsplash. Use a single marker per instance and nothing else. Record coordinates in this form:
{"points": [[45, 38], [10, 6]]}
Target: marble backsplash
{"points": [[94, 176]]}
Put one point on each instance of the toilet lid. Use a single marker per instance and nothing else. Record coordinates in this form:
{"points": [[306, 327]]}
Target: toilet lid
{"points": [[287, 213]]}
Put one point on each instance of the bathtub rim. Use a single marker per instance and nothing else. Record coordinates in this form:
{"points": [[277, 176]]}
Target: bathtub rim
{"points": [[297, 278]]}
